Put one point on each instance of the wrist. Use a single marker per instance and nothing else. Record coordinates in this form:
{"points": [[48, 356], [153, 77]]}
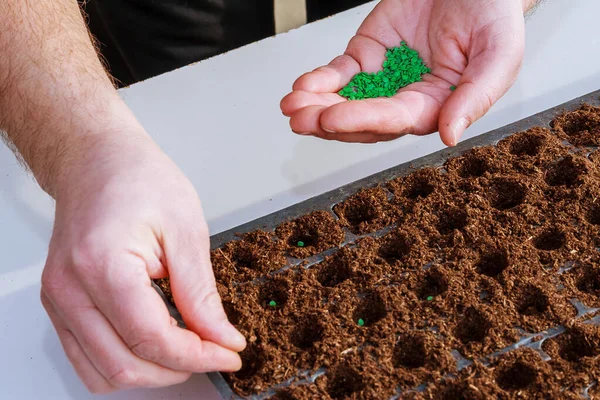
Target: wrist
{"points": [[110, 124]]}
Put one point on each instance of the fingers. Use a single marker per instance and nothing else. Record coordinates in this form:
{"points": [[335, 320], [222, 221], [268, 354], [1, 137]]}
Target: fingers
{"points": [[299, 99], [102, 346], [140, 318], [410, 111], [330, 78], [86, 371], [492, 69], [194, 287]]}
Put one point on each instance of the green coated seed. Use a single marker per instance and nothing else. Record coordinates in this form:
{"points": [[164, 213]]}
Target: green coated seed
{"points": [[361, 322], [453, 88], [402, 67], [300, 244], [272, 303], [430, 298]]}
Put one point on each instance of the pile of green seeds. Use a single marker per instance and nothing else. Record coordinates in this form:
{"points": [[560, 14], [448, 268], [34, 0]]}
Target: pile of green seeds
{"points": [[402, 67]]}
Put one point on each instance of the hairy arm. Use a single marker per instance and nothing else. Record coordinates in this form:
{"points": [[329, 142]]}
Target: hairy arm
{"points": [[54, 92]]}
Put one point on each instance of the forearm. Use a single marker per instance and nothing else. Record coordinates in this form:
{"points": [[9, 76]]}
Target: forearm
{"points": [[54, 92]]}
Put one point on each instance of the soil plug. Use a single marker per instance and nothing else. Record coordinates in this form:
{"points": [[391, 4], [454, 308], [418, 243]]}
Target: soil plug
{"points": [[361, 322], [273, 303], [402, 67]]}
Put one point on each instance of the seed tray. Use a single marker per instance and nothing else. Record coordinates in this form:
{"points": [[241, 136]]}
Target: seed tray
{"points": [[468, 255]]}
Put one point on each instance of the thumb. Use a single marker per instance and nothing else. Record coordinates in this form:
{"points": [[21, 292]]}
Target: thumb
{"points": [[490, 72], [187, 253]]}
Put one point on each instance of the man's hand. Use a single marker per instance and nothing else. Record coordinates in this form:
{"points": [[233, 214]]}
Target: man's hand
{"points": [[125, 215], [124, 212], [476, 46]]}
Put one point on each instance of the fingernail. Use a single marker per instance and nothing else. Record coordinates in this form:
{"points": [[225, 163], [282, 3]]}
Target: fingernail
{"points": [[328, 130], [459, 129]]}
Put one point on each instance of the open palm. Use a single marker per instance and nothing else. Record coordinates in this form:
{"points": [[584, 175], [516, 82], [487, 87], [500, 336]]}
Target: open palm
{"points": [[476, 46]]}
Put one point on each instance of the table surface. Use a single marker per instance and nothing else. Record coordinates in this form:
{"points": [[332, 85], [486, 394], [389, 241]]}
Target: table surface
{"points": [[220, 121]]}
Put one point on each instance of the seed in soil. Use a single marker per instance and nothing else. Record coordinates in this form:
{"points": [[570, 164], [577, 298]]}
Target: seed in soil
{"points": [[274, 292], [493, 262], [473, 327], [300, 243], [533, 301], [361, 322], [343, 382], [371, 309], [517, 376], [506, 193], [550, 239], [566, 172], [410, 351]]}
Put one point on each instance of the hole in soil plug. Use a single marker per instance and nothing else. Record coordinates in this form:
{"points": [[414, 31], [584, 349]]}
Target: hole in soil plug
{"points": [[589, 282], [449, 220], [533, 301], [473, 327], [302, 239], [394, 248], [593, 215], [461, 390], [566, 172], [334, 271], [492, 263], [580, 342], [419, 188], [434, 284], [410, 351], [473, 166], [343, 382], [526, 144], [307, 332], [253, 360], [582, 126], [516, 376], [274, 294], [244, 258], [233, 315], [506, 193], [370, 310], [551, 239]]}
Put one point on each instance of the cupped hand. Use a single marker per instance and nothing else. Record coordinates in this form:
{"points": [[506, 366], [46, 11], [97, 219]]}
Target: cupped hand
{"points": [[125, 214], [476, 46]]}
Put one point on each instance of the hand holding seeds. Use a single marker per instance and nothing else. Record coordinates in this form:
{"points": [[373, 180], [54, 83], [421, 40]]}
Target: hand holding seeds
{"points": [[458, 58]]}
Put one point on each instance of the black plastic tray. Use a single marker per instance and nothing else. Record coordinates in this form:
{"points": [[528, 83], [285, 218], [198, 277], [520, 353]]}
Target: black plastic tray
{"points": [[327, 200]]}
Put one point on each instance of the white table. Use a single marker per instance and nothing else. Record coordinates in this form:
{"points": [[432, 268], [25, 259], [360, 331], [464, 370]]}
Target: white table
{"points": [[220, 121]]}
